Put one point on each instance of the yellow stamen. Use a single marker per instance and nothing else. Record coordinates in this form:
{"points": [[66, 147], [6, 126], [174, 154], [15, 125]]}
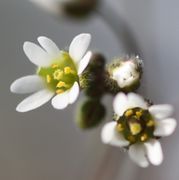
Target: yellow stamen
{"points": [[68, 70], [62, 84], [58, 74], [135, 128], [59, 91], [48, 78], [138, 114], [54, 66], [120, 127], [150, 123], [144, 137], [129, 113]]}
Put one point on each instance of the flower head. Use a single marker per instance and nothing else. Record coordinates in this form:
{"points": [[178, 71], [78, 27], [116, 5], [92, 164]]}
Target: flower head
{"points": [[126, 72], [57, 73], [138, 127]]}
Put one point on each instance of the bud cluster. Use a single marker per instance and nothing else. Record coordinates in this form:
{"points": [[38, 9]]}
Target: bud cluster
{"points": [[122, 75]]}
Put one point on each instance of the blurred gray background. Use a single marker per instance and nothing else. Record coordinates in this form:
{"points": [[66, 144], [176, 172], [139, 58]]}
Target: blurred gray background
{"points": [[46, 144]]}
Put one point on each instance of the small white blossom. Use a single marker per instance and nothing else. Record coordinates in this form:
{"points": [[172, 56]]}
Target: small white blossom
{"points": [[49, 5], [57, 75], [52, 6], [138, 127], [61, 7], [126, 74]]}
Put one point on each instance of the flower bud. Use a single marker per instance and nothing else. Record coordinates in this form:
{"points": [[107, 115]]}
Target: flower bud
{"points": [[75, 8], [92, 80], [90, 114], [78, 8], [125, 73]]}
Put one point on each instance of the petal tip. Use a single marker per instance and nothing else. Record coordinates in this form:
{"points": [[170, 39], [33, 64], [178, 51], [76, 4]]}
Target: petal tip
{"points": [[20, 109], [26, 43], [41, 37], [79, 46], [60, 101], [106, 132], [12, 89], [87, 35], [154, 152]]}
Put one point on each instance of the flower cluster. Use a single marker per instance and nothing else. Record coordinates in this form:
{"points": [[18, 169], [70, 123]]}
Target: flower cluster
{"points": [[137, 125]]}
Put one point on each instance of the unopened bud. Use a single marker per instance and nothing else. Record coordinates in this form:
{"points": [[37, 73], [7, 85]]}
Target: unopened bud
{"points": [[79, 8], [74, 8], [125, 73], [92, 80], [90, 114]]}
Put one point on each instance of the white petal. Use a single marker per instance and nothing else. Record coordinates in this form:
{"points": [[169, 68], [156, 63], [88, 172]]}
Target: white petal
{"points": [[34, 101], [154, 152], [165, 127], [84, 62], [73, 93], [136, 100], [79, 46], [137, 154], [61, 101], [36, 54], [49, 46], [27, 84], [120, 104], [109, 135], [161, 111]]}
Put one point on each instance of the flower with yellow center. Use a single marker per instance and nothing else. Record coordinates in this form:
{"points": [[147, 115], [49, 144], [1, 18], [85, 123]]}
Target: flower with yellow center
{"points": [[138, 128], [57, 74]]}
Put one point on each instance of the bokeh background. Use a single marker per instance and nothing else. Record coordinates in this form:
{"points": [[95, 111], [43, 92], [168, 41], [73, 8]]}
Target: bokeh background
{"points": [[46, 144]]}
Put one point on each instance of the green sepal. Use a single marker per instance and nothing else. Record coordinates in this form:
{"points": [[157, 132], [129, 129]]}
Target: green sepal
{"points": [[93, 78], [90, 114]]}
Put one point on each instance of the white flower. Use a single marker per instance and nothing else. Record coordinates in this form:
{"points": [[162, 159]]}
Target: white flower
{"points": [[57, 75], [126, 74], [138, 128], [63, 6], [49, 5]]}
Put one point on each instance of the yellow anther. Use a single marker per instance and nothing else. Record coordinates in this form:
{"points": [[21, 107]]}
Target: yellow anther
{"points": [[135, 128], [120, 127], [62, 84], [138, 114], [59, 91], [131, 138], [128, 113], [48, 78], [54, 66], [58, 74], [144, 137], [150, 123], [68, 70]]}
